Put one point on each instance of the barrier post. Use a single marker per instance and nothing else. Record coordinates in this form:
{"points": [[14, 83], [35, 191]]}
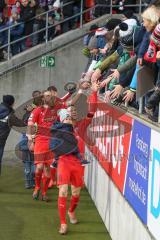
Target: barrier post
{"points": [[159, 113], [141, 105], [81, 17], [9, 41], [46, 27], [126, 104], [111, 7], [140, 6]]}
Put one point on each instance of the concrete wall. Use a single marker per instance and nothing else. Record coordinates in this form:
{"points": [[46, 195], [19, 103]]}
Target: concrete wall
{"points": [[119, 218]]}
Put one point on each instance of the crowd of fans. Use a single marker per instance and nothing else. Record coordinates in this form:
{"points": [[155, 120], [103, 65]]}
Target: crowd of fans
{"points": [[119, 51]]}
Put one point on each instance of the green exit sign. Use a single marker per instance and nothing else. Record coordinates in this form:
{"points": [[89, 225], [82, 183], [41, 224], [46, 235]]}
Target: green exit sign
{"points": [[47, 61]]}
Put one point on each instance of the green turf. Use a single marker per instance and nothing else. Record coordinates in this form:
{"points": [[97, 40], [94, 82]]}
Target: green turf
{"points": [[21, 218]]}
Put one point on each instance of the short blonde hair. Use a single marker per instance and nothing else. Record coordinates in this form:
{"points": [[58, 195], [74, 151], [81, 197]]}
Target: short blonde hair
{"points": [[151, 14]]}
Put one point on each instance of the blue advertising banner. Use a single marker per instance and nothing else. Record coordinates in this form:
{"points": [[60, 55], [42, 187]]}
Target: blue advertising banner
{"points": [[136, 187]]}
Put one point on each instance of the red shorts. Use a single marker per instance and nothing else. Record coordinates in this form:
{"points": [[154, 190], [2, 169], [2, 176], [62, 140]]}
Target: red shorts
{"points": [[70, 171], [42, 153]]}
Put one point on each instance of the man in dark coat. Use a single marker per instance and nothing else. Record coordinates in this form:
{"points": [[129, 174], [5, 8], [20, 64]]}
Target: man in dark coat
{"points": [[2, 6], [27, 13], [7, 120]]}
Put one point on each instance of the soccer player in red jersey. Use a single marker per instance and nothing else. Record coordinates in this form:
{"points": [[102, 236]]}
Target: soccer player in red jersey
{"points": [[70, 171], [44, 116], [54, 93]]}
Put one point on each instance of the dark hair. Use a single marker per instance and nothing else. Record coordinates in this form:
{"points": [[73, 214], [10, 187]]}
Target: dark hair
{"points": [[112, 24], [52, 88], [36, 91], [93, 27], [8, 100]]}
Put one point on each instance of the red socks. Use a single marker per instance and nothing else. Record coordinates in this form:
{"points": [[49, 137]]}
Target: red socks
{"points": [[62, 202], [38, 177], [45, 181], [73, 203]]}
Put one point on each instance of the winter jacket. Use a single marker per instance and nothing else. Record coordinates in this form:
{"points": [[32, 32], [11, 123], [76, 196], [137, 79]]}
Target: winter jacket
{"points": [[7, 120], [109, 60], [26, 15], [144, 45], [63, 140], [125, 56], [101, 41], [140, 31], [2, 5], [131, 62], [68, 9], [16, 31], [3, 34], [126, 77]]}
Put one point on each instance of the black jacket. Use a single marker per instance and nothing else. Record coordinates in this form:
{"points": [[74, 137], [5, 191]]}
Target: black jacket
{"points": [[63, 140], [26, 15], [2, 5], [7, 120], [68, 9]]}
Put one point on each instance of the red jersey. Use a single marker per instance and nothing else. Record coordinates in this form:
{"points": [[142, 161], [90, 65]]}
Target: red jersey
{"points": [[44, 118]]}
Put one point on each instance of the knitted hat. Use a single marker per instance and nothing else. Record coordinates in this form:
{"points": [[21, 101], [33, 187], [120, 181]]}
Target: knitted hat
{"points": [[63, 114], [155, 37], [112, 23], [101, 31], [8, 99], [92, 43], [127, 27], [86, 52], [126, 34]]}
